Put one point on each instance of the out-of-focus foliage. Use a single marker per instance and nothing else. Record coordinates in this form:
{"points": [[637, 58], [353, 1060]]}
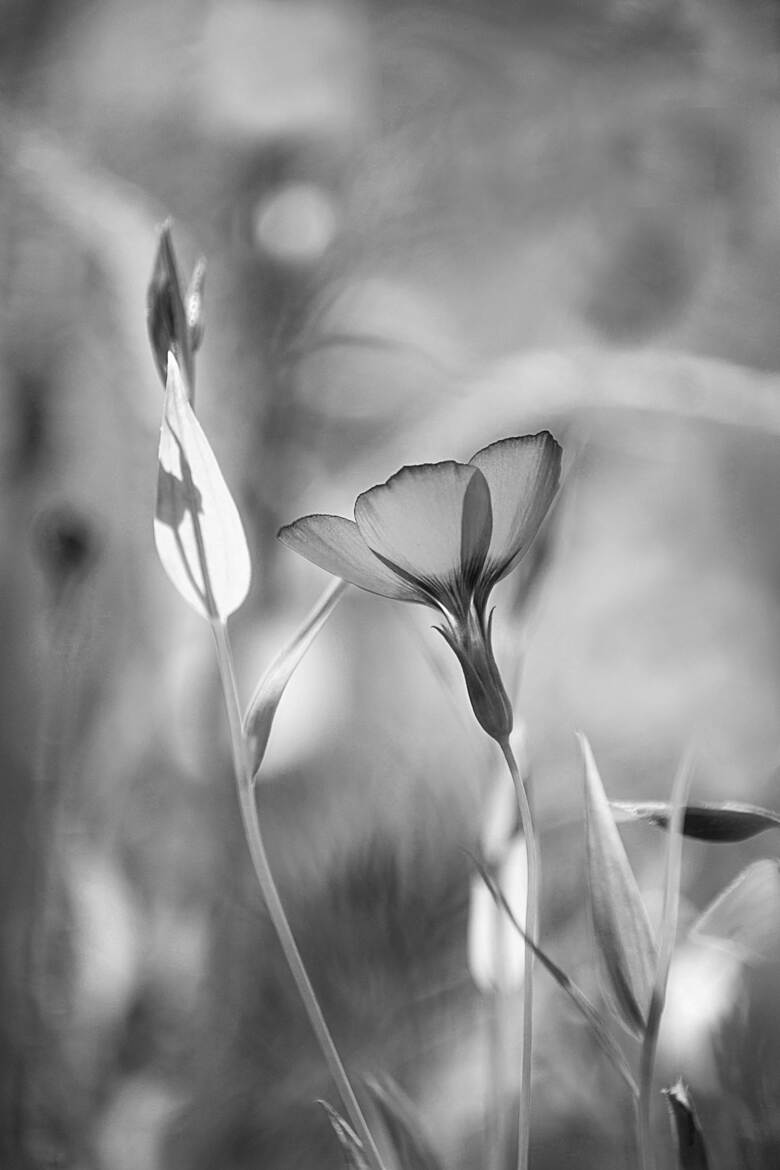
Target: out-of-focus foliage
{"points": [[427, 226]]}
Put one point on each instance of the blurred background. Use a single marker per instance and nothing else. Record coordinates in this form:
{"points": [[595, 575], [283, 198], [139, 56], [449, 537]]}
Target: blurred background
{"points": [[427, 226]]}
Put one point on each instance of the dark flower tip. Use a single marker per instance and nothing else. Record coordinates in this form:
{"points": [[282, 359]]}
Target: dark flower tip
{"points": [[175, 325]]}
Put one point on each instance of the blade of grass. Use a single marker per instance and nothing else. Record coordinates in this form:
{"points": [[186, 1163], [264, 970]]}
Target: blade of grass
{"points": [[626, 949], [246, 795], [667, 935]]}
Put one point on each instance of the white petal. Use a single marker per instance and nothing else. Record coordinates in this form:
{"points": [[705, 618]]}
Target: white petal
{"points": [[416, 520], [522, 474], [335, 544]]}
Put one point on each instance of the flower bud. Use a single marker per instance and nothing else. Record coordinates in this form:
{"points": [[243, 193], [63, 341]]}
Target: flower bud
{"points": [[170, 330], [472, 643]]}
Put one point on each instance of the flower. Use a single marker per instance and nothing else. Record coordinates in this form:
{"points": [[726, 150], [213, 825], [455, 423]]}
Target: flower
{"points": [[443, 534]]}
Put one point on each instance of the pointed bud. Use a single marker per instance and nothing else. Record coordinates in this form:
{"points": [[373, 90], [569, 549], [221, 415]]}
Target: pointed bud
{"points": [[166, 317], [351, 1145]]}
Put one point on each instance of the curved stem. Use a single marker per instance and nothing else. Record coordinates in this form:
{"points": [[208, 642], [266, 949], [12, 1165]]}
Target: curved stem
{"points": [[531, 920], [273, 902]]}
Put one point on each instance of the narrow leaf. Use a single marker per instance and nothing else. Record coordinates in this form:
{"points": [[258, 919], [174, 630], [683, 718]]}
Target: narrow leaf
{"points": [[691, 1150], [623, 937], [570, 988], [668, 934], [718, 822], [352, 1147], [744, 919], [198, 532], [411, 1145], [261, 711]]}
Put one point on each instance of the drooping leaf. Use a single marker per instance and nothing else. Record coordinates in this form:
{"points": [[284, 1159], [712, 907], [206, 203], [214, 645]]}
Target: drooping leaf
{"points": [[744, 919], [198, 532], [691, 1150], [352, 1147], [724, 822], [268, 693], [411, 1145], [569, 987], [623, 938]]}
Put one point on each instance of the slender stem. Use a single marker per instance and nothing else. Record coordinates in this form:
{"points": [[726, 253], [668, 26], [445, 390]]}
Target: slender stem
{"points": [[276, 911], [668, 933], [497, 1058], [531, 920]]}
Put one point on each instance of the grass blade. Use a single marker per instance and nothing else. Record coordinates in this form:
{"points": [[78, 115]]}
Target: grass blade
{"points": [[623, 937], [668, 934]]}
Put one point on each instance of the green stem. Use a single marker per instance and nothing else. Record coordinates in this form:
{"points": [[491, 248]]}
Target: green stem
{"points": [[531, 920], [497, 1063], [668, 934], [273, 902]]}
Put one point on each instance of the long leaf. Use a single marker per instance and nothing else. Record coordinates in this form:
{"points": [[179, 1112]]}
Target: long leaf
{"points": [[623, 937], [668, 934], [724, 822], [268, 693], [691, 1150], [744, 919], [197, 529]]}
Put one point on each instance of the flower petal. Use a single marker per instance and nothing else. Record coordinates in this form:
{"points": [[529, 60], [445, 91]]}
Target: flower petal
{"points": [[335, 544], [476, 528], [522, 474], [418, 521]]}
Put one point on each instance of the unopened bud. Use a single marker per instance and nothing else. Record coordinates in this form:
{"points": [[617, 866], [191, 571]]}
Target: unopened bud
{"points": [[166, 317]]}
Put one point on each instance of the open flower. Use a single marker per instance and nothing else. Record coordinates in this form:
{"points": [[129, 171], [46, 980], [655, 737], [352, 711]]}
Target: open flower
{"points": [[443, 534]]}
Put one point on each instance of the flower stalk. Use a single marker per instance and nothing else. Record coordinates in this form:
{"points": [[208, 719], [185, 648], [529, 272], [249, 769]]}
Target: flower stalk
{"points": [[203, 548], [246, 795], [531, 927]]}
